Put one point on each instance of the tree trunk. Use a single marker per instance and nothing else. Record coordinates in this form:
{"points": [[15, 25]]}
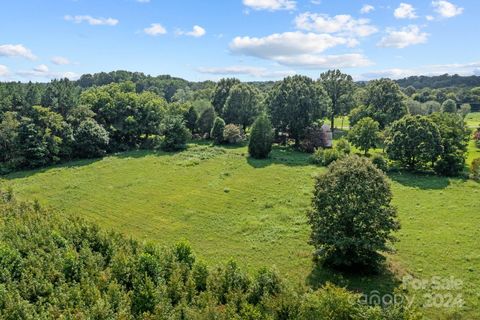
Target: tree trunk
{"points": [[332, 121]]}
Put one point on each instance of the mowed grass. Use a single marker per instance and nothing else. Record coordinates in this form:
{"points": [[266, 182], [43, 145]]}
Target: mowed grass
{"points": [[254, 211], [473, 120]]}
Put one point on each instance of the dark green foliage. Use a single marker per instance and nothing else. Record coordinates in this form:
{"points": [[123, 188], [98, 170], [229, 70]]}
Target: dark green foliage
{"points": [[242, 105], [454, 140], [91, 139], [221, 93], [352, 218], [191, 119], [58, 266], [414, 141], [294, 104], [205, 121], [339, 88], [380, 162], [449, 106], [217, 130], [60, 96], [324, 157], [313, 138], [175, 134], [343, 146], [261, 138], [365, 134], [383, 102]]}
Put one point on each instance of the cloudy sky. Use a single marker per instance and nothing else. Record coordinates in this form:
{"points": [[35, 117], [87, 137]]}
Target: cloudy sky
{"points": [[248, 39]]}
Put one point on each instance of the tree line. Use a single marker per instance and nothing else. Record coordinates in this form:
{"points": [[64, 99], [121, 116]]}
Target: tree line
{"points": [[42, 124]]}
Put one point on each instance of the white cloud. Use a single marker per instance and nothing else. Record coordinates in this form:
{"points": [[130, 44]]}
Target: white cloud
{"points": [[342, 24], [310, 61], [16, 50], [256, 72], [92, 21], [60, 60], [271, 5], [42, 68], [405, 11], [287, 43], [3, 71], [403, 37], [446, 9], [429, 18], [42, 71], [196, 32], [155, 29], [367, 8], [465, 69], [298, 49]]}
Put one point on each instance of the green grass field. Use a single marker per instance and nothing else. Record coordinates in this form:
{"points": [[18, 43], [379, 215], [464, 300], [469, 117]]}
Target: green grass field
{"points": [[473, 120], [230, 206]]}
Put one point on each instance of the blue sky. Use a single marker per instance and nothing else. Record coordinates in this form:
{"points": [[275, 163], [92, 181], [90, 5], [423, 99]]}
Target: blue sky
{"points": [[248, 39]]}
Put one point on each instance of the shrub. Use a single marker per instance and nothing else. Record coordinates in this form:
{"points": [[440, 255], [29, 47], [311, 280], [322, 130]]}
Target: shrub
{"points": [[364, 135], [91, 139], [191, 118], [348, 234], [476, 137], [217, 131], [205, 121], [232, 133], [449, 106], [343, 146], [323, 157], [261, 138], [380, 162], [313, 138], [175, 133], [475, 169]]}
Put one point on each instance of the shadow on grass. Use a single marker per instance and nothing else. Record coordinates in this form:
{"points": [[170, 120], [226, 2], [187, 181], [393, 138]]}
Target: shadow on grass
{"points": [[384, 282], [281, 155], [30, 172], [424, 181]]}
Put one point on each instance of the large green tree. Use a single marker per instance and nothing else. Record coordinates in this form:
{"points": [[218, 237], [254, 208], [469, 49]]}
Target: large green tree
{"points": [[454, 140], [294, 104], [91, 139], [414, 141], [339, 88], [365, 134], [242, 105], [221, 93], [352, 218], [383, 101]]}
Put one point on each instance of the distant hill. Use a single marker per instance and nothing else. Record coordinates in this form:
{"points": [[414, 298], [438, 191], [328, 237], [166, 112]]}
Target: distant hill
{"points": [[443, 81]]}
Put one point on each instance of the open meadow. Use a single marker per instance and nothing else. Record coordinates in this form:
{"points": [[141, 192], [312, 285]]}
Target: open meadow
{"points": [[228, 205]]}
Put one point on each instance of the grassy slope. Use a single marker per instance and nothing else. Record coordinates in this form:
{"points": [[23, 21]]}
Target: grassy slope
{"points": [[228, 205]]}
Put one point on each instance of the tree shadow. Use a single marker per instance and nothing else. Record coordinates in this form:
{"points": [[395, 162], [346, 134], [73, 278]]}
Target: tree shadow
{"points": [[283, 155], [31, 172], [419, 180], [382, 282]]}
